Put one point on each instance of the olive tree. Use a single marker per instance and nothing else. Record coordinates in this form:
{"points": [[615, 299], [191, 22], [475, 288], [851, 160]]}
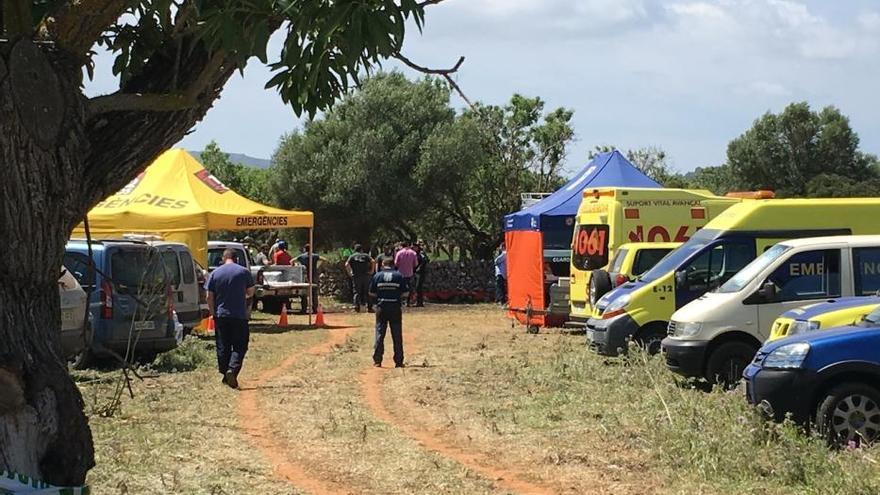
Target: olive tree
{"points": [[61, 152]]}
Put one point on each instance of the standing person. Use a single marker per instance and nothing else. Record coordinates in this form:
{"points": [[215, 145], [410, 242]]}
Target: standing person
{"points": [[387, 252], [229, 287], [274, 248], [421, 273], [360, 268], [315, 262], [389, 288], [281, 256], [406, 260], [262, 257], [501, 277]]}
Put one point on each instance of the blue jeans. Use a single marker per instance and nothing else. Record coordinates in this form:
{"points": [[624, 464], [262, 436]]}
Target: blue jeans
{"points": [[389, 315], [232, 336]]}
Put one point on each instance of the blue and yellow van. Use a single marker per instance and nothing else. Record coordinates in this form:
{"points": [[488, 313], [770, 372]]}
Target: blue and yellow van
{"points": [[820, 316]]}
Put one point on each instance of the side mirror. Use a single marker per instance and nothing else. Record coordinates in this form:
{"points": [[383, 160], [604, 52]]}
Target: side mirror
{"points": [[681, 279], [768, 291]]}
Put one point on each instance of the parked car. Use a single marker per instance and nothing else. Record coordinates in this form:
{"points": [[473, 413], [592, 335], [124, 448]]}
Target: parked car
{"points": [[131, 300], [828, 314], [630, 261], [717, 335], [828, 379], [75, 327]]}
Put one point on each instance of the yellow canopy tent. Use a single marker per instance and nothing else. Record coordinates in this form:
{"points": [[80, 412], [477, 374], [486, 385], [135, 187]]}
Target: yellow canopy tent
{"points": [[175, 197]]}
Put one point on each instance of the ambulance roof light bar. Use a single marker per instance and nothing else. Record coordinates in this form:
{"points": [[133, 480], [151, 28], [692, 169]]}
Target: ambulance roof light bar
{"points": [[760, 194]]}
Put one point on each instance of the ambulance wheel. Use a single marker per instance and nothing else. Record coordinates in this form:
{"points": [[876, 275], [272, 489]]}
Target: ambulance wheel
{"points": [[649, 338], [600, 284], [727, 362], [532, 329]]}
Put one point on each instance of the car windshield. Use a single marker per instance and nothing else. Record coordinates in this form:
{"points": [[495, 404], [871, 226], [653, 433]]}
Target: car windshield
{"points": [[673, 260], [753, 269], [873, 318]]}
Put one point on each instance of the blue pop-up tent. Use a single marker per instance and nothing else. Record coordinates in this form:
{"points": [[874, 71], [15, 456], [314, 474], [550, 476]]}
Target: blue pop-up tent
{"points": [[532, 232]]}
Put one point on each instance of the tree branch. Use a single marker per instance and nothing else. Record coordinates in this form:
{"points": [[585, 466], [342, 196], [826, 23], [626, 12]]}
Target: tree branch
{"points": [[445, 73], [168, 102], [17, 20], [426, 3], [76, 26]]}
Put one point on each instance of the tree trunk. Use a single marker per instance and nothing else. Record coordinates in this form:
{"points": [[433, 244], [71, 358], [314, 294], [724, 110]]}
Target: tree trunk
{"points": [[57, 160], [43, 431]]}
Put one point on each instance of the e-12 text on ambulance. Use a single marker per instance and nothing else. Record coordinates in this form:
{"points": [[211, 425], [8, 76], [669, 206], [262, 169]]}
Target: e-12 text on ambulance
{"points": [[641, 310], [610, 217]]}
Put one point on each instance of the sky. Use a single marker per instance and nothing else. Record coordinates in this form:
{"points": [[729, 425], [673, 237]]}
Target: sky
{"points": [[685, 76]]}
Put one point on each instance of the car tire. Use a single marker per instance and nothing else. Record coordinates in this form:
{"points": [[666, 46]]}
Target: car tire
{"points": [[272, 306], [649, 339], [850, 412], [85, 358], [727, 362], [600, 284]]}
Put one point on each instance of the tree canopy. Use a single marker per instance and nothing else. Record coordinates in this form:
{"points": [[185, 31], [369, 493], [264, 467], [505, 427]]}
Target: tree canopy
{"points": [[395, 160]]}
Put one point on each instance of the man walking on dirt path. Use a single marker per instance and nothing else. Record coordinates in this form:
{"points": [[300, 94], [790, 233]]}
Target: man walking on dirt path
{"points": [[360, 268], [389, 288], [229, 288]]}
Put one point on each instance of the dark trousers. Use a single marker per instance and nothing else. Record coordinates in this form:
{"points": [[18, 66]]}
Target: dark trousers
{"points": [[232, 336], [305, 304], [361, 289], [389, 315], [500, 289], [420, 288], [409, 285]]}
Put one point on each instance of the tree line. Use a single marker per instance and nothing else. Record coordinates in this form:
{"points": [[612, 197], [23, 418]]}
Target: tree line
{"points": [[395, 160]]}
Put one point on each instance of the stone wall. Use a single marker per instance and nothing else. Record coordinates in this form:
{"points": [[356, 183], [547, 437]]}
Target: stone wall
{"points": [[446, 281]]}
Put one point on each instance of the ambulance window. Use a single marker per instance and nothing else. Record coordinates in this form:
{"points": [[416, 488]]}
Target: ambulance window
{"points": [[646, 258], [808, 275], [867, 270], [617, 264], [715, 266]]}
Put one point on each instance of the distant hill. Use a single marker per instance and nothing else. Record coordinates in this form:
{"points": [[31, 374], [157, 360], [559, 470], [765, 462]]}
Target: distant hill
{"points": [[240, 158]]}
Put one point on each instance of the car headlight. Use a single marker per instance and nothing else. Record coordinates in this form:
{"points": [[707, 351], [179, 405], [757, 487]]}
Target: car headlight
{"points": [[687, 329], [787, 356], [616, 306], [803, 326]]}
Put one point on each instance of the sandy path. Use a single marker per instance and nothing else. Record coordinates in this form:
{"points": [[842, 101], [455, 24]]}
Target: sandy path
{"points": [[256, 424], [371, 388]]}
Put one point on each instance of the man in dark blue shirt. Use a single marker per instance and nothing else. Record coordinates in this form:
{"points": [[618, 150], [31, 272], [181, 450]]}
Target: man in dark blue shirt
{"points": [[389, 289], [229, 288]]}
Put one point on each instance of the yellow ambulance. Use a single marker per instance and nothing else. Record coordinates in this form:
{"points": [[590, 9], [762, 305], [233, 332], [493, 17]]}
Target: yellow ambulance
{"points": [[641, 310], [610, 217]]}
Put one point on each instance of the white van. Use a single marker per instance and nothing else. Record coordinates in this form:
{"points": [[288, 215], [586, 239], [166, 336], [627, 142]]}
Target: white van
{"points": [[181, 268], [717, 335]]}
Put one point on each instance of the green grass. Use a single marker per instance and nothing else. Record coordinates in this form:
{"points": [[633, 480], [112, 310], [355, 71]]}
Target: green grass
{"points": [[709, 439], [188, 356]]}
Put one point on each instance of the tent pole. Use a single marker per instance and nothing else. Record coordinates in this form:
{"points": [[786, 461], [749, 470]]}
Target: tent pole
{"points": [[311, 270]]}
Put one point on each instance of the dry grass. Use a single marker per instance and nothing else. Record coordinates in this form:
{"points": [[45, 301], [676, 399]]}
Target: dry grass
{"points": [[535, 408]]}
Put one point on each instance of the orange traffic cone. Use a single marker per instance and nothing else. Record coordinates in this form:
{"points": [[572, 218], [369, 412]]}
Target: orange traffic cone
{"points": [[210, 326], [282, 318], [319, 317]]}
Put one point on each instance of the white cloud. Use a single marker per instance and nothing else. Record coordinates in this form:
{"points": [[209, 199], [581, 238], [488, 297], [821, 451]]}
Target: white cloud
{"points": [[869, 21], [765, 88]]}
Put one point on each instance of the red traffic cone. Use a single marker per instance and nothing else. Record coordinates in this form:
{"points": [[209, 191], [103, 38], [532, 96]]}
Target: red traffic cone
{"points": [[319, 317], [210, 326], [282, 318]]}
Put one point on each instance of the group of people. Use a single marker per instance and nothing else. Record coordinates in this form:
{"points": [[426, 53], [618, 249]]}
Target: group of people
{"points": [[410, 259]]}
